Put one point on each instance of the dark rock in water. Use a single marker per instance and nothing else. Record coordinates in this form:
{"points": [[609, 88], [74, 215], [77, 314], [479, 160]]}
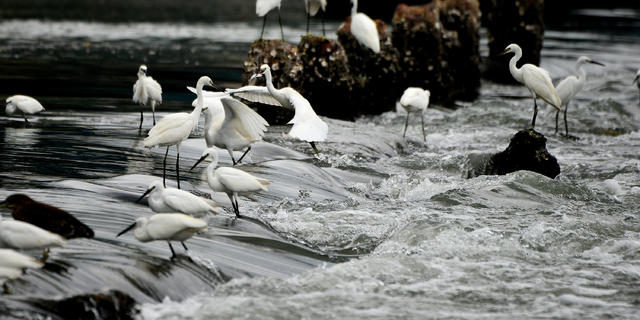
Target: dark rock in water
{"points": [[507, 22], [327, 83], [438, 45], [526, 151], [376, 77], [110, 305]]}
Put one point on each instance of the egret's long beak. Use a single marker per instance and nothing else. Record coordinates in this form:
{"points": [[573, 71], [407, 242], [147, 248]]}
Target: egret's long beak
{"points": [[145, 194], [598, 63], [218, 88], [634, 81], [205, 108], [504, 52], [199, 160], [126, 230]]}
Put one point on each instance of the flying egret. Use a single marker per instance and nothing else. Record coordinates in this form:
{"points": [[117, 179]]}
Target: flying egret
{"points": [[307, 126], [147, 92], [536, 79], [312, 7], [175, 128], [25, 104], [22, 235], [230, 124], [231, 181], [637, 79], [166, 226], [570, 86], [415, 100], [12, 264], [165, 200], [364, 29], [263, 7], [46, 217]]}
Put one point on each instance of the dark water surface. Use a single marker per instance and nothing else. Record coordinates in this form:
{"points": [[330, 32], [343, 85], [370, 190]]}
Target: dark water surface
{"points": [[375, 227]]}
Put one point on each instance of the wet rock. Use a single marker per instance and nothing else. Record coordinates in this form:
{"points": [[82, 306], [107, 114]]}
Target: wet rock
{"points": [[377, 82], [507, 22], [110, 305], [438, 45], [326, 83], [526, 151]]}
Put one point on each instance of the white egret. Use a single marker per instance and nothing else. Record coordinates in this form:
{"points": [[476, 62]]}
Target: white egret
{"points": [[263, 7], [570, 86], [231, 181], [147, 92], [230, 124], [307, 126], [312, 7], [165, 200], [24, 104], [536, 79], [22, 235], [12, 264], [166, 226], [175, 128], [637, 79], [364, 29], [415, 100]]}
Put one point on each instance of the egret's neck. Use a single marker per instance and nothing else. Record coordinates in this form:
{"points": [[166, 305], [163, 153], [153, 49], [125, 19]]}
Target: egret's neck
{"points": [[141, 75], [515, 71], [195, 114], [354, 8], [581, 72], [212, 166]]}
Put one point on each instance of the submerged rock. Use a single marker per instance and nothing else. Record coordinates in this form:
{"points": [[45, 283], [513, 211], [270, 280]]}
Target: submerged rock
{"points": [[507, 22], [438, 45], [526, 151], [110, 305]]}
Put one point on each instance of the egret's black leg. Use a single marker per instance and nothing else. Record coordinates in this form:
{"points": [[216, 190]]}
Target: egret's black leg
{"points": [[566, 126], [154, 116], [280, 22], [315, 148], [535, 113], [45, 254], [235, 198], [173, 253], [406, 124], [244, 154], [141, 118], [164, 168], [184, 246], [557, 114], [6, 289], [178, 168], [308, 20], [424, 135], [264, 22]]}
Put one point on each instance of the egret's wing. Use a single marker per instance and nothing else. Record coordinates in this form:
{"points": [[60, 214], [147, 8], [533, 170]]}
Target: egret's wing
{"points": [[26, 104], [153, 88], [568, 88], [13, 259], [415, 98], [138, 92], [240, 181], [240, 117], [185, 202], [169, 122], [255, 94], [307, 125], [165, 226], [365, 31], [264, 6], [538, 80]]}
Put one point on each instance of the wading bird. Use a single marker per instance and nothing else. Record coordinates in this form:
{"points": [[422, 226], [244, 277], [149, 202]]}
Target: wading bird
{"points": [[12, 265], [637, 79], [364, 29], [415, 100], [25, 236], [23, 104], [46, 217], [165, 200], [231, 181], [147, 92], [312, 7], [307, 126], [175, 128], [166, 226], [536, 79], [570, 86], [262, 9], [230, 124]]}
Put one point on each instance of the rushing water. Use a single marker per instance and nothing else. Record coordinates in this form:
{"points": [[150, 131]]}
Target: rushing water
{"points": [[375, 227]]}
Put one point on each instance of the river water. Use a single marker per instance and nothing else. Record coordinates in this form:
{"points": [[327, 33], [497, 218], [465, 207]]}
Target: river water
{"points": [[376, 227]]}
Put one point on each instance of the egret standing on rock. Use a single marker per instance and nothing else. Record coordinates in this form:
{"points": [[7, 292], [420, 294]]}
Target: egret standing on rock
{"points": [[25, 236], [175, 128], [231, 181], [364, 29], [147, 92], [165, 200], [262, 9], [637, 79], [536, 79], [415, 100], [24, 104], [230, 124], [312, 7], [570, 86], [166, 226]]}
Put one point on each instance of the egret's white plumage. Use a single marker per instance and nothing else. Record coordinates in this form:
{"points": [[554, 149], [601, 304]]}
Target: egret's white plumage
{"points": [[230, 124], [166, 200], [570, 86], [22, 104], [22, 235], [231, 181], [166, 226], [307, 126], [536, 79], [263, 7], [12, 264], [147, 92], [176, 127], [364, 29], [415, 100]]}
